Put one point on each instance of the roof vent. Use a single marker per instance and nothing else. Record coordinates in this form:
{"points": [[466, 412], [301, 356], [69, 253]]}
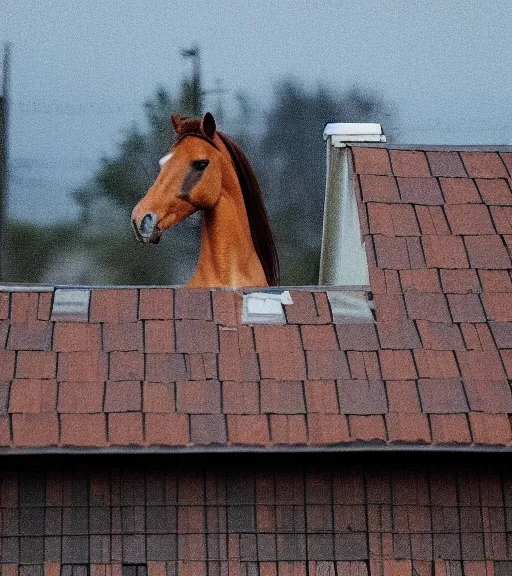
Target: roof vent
{"points": [[265, 307], [71, 305], [342, 132], [343, 257]]}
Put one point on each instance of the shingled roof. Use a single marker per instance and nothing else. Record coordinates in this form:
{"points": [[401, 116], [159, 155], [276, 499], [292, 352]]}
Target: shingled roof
{"points": [[176, 369]]}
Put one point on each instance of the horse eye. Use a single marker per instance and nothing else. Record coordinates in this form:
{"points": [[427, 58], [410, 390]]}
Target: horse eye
{"points": [[200, 164]]}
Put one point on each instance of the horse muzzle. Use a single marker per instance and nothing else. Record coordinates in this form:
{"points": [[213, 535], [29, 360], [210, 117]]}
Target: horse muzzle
{"points": [[147, 230]]}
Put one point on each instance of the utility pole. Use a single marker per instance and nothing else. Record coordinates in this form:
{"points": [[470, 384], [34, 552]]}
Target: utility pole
{"points": [[4, 113], [196, 92]]}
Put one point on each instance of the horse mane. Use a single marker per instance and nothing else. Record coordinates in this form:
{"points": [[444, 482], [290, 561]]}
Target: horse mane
{"points": [[259, 225]]}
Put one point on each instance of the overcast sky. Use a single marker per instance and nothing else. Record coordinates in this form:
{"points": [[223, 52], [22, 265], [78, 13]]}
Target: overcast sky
{"points": [[81, 70]]}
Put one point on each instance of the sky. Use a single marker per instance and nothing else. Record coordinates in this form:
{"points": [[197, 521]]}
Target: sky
{"points": [[80, 71]]}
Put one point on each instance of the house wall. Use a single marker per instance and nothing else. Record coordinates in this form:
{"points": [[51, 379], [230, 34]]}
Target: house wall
{"points": [[293, 516]]}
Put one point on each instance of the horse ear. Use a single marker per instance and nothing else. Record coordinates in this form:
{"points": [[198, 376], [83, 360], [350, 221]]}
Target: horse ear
{"points": [[208, 126], [176, 122]]}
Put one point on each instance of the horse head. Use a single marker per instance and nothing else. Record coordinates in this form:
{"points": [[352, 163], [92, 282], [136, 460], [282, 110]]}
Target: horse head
{"points": [[189, 179]]}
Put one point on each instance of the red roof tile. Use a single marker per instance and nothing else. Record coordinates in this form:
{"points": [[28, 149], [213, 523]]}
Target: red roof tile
{"points": [[442, 396], [426, 280], [208, 429], [357, 337], [436, 364], [83, 430], [487, 252], [379, 189], [321, 396], [226, 307], [288, 429], [80, 397], [391, 252], [405, 427], [397, 334], [198, 397], [403, 396], [122, 337], [362, 397], [125, 429], [156, 304], [326, 364], [470, 219], [450, 429], [123, 396], [308, 308], [409, 163], [240, 397], [33, 396], [367, 428], [33, 335], [36, 430], [158, 397], [278, 366], [490, 428], [420, 191], [427, 306], [248, 429], [7, 360], [176, 368], [495, 192], [484, 165], [114, 305], [4, 305], [371, 161], [444, 252], [126, 366], [459, 190], [193, 304], [446, 164], [397, 365], [166, 429], [460, 282], [34, 364], [466, 308], [327, 429], [498, 306]]}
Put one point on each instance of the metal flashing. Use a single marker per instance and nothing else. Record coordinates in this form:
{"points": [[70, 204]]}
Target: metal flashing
{"points": [[26, 288], [343, 256], [350, 309], [265, 307], [342, 132], [71, 305]]}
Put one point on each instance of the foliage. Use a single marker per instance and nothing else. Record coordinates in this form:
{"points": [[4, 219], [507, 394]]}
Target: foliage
{"points": [[284, 143], [291, 164], [32, 247]]}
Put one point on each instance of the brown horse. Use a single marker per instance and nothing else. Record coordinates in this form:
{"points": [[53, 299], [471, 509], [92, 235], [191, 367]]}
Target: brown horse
{"points": [[205, 170]]}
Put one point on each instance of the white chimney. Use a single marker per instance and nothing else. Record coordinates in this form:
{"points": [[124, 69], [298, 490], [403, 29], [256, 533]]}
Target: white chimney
{"points": [[343, 257]]}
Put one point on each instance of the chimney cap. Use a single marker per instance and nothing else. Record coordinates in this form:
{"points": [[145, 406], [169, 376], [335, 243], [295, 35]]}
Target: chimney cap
{"points": [[341, 132]]}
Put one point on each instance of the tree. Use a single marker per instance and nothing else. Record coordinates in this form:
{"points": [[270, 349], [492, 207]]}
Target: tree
{"points": [[122, 180], [291, 164], [119, 184]]}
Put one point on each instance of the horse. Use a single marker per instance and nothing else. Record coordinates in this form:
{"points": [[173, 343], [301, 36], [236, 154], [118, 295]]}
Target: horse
{"points": [[206, 170]]}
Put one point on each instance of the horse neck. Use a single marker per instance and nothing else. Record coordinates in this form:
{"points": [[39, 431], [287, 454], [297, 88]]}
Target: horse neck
{"points": [[227, 256]]}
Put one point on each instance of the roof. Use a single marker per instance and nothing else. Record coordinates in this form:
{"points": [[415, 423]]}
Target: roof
{"points": [[176, 369]]}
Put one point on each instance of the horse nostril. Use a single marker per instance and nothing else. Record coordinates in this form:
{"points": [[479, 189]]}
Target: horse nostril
{"points": [[148, 224]]}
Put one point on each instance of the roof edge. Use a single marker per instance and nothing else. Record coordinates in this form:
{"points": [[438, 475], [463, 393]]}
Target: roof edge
{"points": [[352, 447], [21, 287], [433, 147]]}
